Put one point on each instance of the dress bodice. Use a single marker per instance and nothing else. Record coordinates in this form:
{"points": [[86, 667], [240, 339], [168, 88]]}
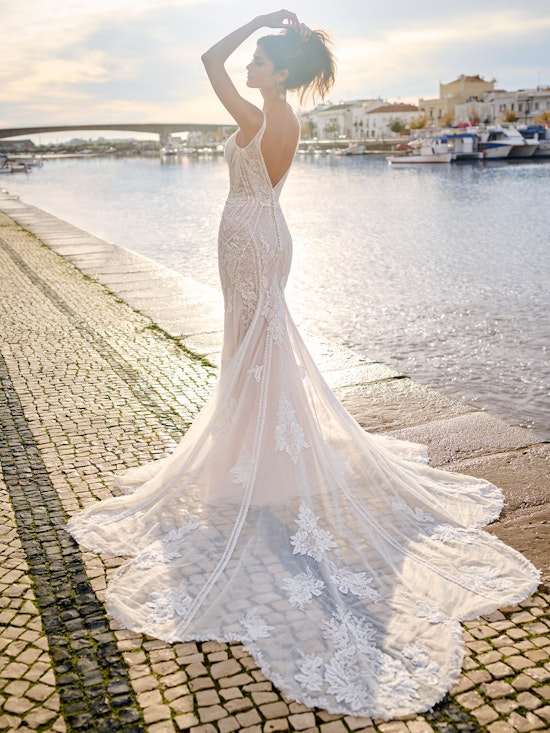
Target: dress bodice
{"points": [[248, 174]]}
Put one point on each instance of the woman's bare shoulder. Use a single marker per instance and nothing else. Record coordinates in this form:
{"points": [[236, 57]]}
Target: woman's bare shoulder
{"points": [[282, 126]]}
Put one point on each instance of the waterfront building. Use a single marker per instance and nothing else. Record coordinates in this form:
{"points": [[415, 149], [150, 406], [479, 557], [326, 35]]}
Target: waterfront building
{"points": [[443, 109], [357, 120], [11, 146], [388, 120], [522, 106], [336, 121]]}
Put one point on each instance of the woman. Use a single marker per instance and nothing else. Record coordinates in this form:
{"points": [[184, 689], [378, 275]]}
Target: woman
{"points": [[340, 559]]}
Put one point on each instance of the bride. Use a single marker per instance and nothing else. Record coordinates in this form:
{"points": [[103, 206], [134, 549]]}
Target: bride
{"points": [[341, 560]]}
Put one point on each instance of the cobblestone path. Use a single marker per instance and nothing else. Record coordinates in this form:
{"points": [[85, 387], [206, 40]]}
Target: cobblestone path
{"points": [[90, 387]]}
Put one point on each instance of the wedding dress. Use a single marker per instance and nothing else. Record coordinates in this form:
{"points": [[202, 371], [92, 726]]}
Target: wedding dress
{"points": [[341, 560]]}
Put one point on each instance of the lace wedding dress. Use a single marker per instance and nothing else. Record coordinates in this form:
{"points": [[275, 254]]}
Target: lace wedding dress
{"points": [[340, 559]]}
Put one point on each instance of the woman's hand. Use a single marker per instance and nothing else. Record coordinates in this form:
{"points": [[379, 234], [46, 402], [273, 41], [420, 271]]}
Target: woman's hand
{"points": [[279, 19]]}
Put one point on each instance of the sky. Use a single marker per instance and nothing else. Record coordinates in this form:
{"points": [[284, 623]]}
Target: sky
{"points": [[98, 61]]}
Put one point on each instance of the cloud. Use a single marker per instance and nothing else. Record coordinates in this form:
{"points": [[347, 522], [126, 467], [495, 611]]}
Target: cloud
{"points": [[109, 60], [416, 55]]}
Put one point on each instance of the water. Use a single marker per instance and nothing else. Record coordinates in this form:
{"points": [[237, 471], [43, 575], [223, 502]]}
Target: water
{"points": [[441, 271]]}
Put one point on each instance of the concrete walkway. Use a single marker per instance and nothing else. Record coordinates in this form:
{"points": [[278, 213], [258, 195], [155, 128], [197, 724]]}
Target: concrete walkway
{"points": [[96, 380]]}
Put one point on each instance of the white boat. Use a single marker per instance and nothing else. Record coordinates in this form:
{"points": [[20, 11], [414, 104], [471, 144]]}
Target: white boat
{"points": [[521, 148], [464, 145], [493, 145], [169, 150], [351, 150], [12, 166], [541, 135], [33, 162], [29, 161], [425, 150], [497, 137]]}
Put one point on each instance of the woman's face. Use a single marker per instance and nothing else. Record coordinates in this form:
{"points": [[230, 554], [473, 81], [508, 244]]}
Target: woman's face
{"points": [[261, 72]]}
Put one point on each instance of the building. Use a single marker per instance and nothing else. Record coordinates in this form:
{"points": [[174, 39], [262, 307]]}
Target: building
{"points": [[388, 120], [442, 110], [522, 106], [13, 146], [334, 120]]}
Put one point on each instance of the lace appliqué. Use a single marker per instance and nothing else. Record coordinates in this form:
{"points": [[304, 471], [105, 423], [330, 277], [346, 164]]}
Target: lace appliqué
{"points": [[357, 668], [355, 583], [310, 539], [417, 513], [450, 533], [481, 578], [257, 371], [289, 435], [255, 626], [430, 611], [163, 551], [237, 260], [273, 311], [168, 604], [226, 416], [302, 587], [311, 672], [424, 668], [243, 469]]}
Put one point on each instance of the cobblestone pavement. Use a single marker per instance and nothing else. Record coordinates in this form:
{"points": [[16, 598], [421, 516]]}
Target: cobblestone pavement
{"points": [[90, 387]]}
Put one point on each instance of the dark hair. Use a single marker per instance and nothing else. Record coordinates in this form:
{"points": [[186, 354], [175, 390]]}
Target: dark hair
{"points": [[307, 57]]}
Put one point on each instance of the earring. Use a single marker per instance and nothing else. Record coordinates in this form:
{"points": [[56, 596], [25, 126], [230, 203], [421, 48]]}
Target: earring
{"points": [[280, 90]]}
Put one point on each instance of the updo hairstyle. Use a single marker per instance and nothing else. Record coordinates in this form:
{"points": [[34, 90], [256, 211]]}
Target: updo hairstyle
{"points": [[308, 58]]}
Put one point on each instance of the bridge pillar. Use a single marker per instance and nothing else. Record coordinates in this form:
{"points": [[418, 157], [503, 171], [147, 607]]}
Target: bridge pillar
{"points": [[165, 138]]}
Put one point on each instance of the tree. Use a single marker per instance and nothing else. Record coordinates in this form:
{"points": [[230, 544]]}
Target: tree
{"points": [[447, 120], [418, 123], [396, 125], [509, 115], [474, 118], [543, 119], [307, 130], [331, 129]]}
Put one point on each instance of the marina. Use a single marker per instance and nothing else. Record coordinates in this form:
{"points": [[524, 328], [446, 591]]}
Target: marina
{"points": [[470, 143]]}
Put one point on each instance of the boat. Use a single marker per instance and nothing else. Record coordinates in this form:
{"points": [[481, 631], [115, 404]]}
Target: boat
{"points": [[29, 161], [169, 150], [351, 150], [33, 162], [521, 148], [424, 150], [505, 141], [464, 145], [539, 134], [8, 165], [493, 145]]}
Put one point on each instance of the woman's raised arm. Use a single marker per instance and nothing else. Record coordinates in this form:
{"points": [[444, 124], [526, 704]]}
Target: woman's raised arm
{"points": [[247, 115]]}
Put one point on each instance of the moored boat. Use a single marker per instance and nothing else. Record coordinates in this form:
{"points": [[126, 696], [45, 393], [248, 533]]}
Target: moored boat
{"points": [[10, 165], [540, 135], [493, 145], [424, 150], [351, 150], [505, 141], [464, 145]]}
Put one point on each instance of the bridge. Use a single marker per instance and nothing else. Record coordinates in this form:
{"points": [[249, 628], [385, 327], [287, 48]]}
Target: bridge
{"points": [[162, 129]]}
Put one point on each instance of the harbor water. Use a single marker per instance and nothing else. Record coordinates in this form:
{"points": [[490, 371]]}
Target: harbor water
{"points": [[442, 271]]}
